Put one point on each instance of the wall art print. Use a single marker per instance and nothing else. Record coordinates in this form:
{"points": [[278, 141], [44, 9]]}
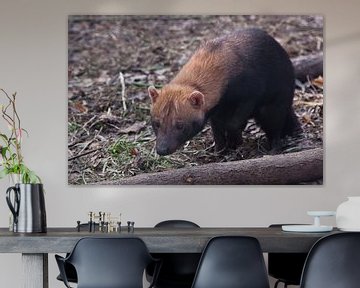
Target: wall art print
{"points": [[195, 99]]}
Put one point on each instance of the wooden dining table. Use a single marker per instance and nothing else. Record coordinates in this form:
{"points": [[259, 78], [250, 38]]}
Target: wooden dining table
{"points": [[35, 247]]}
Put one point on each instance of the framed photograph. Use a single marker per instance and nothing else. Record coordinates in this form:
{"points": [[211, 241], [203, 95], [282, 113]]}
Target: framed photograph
{"points": [[195, 99]]}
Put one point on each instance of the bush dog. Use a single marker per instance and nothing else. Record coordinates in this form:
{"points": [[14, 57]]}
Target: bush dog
{"points": [[246, 74]]}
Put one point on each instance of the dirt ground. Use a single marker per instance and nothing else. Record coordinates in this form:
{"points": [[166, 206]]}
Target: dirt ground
{"points": [[111, 62]]}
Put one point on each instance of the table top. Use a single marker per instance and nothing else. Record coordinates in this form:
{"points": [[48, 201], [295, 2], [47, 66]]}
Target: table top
{"points": [[158, 240]]}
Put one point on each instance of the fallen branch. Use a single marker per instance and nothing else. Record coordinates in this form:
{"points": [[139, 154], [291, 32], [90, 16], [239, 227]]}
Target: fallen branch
{"points": [[291, 168], [308, 67]]}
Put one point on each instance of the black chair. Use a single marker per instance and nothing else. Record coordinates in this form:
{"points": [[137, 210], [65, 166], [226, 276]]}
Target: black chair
{"points": [[178, 269], [333, 262], [286, 267], [232, 262], [70, 271], [108, 263]]}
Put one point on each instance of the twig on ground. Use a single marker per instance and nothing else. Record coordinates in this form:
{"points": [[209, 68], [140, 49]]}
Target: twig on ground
{"points": [[89, 121], [123, 95], [83, 154]]}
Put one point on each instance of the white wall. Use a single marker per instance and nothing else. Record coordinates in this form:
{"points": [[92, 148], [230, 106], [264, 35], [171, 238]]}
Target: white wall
{"points": [[33, 62]]}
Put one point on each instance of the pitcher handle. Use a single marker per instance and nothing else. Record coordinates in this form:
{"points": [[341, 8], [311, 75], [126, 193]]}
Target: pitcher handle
{"points": [[13, 208]]}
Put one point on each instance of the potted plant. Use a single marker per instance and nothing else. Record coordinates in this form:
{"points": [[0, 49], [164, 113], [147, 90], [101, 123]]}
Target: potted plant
{"points": [[25, 197], [11, 159]]}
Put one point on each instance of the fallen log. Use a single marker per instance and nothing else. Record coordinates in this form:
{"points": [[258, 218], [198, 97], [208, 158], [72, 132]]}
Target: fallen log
{"points": [[308, 66], [291, 168]]}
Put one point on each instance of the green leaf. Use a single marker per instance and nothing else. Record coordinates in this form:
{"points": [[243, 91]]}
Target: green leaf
{"points": [[4, 173], [28, 176], [4, 150], [33, 177], [4, 137], [15, 168]]}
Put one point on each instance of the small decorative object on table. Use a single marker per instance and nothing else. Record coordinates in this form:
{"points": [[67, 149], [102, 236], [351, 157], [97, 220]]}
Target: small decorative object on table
{"points": [[102, 222], [27, 204], [316, 227], [348, 214]]}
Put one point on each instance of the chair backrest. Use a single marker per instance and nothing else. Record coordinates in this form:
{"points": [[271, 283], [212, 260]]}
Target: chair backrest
{"points": [[110, 262], [176, 224], [178, 269], [232, 262], [333, 262]]}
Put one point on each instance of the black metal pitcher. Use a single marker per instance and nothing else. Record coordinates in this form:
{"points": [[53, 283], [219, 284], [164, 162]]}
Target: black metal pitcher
{"points": [[28, 207]]}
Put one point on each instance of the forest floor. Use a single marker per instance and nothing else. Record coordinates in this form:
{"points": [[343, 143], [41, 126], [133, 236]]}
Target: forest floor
{"points": [[109, 132]]}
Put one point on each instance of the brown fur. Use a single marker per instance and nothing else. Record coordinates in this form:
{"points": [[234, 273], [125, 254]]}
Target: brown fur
{"points": [[169, 103], [206, 71]]}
